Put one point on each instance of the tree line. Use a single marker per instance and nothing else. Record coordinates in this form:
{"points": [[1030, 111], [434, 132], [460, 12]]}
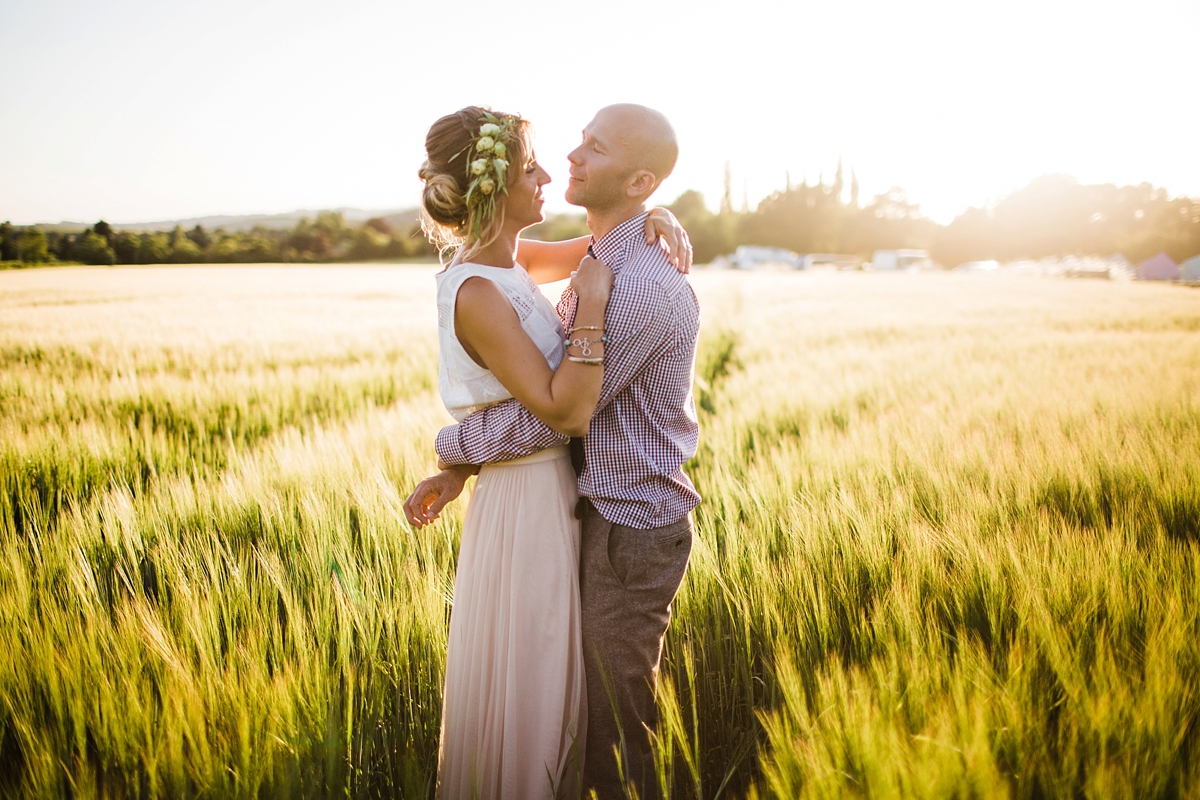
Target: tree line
{"points": [[1053, 216], [328, 238]]}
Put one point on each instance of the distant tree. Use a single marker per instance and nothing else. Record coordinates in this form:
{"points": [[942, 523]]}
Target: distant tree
{"points": [[970, 237], [61, 245], [727, 194], [199, 237], [339, 235], [1055, 215], [153, 248], [806, 219], [32, 248], [92, 248], [224, 250], [125, 247], [381, 225], [711, 234], [102, 228], [10, 247], [370, 243], [307, 242], [890, 221], [185, 251], [258, 247]]}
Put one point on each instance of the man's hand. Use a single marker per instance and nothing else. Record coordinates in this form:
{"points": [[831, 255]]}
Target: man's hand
{"points": [[424, 505]]}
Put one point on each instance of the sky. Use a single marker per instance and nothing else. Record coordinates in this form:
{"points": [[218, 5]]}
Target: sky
{"points": [[132, 111]]}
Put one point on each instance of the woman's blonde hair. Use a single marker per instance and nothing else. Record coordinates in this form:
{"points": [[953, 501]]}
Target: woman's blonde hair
{"points": [[446, 218]]}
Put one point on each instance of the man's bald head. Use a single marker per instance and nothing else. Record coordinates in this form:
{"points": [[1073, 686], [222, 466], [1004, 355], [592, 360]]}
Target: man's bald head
{"points": [[647, 136], [626, 152]]}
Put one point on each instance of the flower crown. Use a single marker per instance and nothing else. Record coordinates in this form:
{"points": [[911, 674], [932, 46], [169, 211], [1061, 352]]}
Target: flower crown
{"points": [[487, 167]]}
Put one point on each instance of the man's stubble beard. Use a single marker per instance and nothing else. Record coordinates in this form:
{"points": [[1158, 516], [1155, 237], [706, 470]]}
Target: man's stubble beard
{"points": [[599, 202]]}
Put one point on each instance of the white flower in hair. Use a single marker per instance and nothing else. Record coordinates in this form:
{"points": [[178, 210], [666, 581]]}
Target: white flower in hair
{"points": [[500, 149], [500, 163], [487, 186], [485, 143], [489, 129], [478, 166]]}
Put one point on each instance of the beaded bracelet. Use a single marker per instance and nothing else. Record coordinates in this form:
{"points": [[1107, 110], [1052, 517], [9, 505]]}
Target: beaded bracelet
{"points": [[586, 328]]}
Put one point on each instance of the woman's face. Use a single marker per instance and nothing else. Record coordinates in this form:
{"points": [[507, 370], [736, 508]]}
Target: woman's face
{"points": [[524, 204]]}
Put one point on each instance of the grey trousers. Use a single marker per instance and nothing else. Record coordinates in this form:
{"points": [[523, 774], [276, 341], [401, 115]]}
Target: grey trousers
{"points": [[627, 580]]}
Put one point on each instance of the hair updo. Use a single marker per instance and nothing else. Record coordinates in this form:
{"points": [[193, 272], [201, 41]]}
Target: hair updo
{"points": [[446, 220]]}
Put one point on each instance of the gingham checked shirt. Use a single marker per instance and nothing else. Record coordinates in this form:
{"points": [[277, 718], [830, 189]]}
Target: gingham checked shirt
{"points": [[644, 427]]}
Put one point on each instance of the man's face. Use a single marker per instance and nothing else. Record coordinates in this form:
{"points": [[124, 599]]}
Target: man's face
{"points": [[601, 164]]}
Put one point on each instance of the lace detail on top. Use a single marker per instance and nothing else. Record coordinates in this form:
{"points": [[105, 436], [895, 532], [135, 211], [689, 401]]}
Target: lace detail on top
{"points": [[464, 385]]}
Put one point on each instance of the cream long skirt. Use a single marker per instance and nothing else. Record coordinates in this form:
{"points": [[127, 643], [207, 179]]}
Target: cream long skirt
{"points": [[513, 708]]}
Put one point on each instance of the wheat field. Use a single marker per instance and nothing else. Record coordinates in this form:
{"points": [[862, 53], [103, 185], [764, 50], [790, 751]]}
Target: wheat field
{"points": [[948, 546]]}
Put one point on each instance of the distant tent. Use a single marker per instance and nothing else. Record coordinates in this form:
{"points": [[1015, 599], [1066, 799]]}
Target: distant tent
{"points": [[1158, 268], [1190, 269], [1119, 267]]}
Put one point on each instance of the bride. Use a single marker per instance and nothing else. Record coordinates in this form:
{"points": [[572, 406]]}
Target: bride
{"points": [[513, 704]]}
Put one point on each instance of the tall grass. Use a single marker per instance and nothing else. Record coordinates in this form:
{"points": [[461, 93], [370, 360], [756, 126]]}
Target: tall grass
{"points": [[948, 545]]}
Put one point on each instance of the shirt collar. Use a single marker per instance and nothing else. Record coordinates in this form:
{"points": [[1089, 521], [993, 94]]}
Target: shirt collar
{"points": [[615, 247]]}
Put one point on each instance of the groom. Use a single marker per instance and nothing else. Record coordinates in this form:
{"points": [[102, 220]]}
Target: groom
{"points": [[635, 498]]}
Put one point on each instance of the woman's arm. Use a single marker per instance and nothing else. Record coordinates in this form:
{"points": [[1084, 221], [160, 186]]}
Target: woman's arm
{"points": [[547, 262], [490, 332]]}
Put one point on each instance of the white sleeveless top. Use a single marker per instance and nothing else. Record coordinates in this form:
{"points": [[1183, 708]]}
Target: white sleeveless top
{"points": [[464, 385]]}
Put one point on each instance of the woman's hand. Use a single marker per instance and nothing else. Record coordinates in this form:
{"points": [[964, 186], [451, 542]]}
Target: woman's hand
{"points": [[592, 281], [661, 224]]}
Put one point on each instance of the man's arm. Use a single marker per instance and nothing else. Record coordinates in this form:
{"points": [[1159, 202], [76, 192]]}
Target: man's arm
{"points": [[426, 502], [501, 432], [638, 326]]}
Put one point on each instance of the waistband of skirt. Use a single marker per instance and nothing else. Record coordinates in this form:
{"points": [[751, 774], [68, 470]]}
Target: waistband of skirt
{"points": [[549, 454]]}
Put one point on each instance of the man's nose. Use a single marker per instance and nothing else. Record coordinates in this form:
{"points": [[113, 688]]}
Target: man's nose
{"points": [[573, 156]]}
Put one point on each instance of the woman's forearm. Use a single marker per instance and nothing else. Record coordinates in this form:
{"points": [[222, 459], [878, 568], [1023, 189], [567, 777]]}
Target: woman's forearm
{"points": [[547, 262], [575, 387]]}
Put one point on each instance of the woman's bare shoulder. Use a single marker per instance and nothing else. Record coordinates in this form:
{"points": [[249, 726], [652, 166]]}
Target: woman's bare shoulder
{"points": [[479, 296]]}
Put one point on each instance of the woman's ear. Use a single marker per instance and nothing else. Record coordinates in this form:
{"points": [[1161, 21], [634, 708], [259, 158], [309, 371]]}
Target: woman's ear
{"points": [[641, 184]]}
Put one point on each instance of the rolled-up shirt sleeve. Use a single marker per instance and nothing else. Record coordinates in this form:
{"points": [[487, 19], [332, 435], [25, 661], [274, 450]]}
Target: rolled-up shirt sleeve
{"points": [[501, 432]]}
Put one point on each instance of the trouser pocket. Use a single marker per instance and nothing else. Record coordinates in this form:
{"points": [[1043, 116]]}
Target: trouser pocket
{"points": [[650, 560]]}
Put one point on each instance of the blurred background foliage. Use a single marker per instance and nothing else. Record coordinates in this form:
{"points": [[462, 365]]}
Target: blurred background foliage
{"points": [[1053, 216], [328, 238]]}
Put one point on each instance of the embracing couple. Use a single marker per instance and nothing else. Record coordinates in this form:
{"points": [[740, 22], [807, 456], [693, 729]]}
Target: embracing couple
{"points": [[577, 421]]}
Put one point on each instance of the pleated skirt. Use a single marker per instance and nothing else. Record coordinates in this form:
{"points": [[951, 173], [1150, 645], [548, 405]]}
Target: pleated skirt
{"points": [[513, 708]]}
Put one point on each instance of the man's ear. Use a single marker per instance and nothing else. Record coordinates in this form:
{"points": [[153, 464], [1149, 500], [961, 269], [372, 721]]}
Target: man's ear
{"points": [[641, 184]]}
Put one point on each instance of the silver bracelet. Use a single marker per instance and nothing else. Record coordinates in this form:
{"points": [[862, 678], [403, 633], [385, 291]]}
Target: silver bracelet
{"points": [[584, 344], [593, 361]]}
